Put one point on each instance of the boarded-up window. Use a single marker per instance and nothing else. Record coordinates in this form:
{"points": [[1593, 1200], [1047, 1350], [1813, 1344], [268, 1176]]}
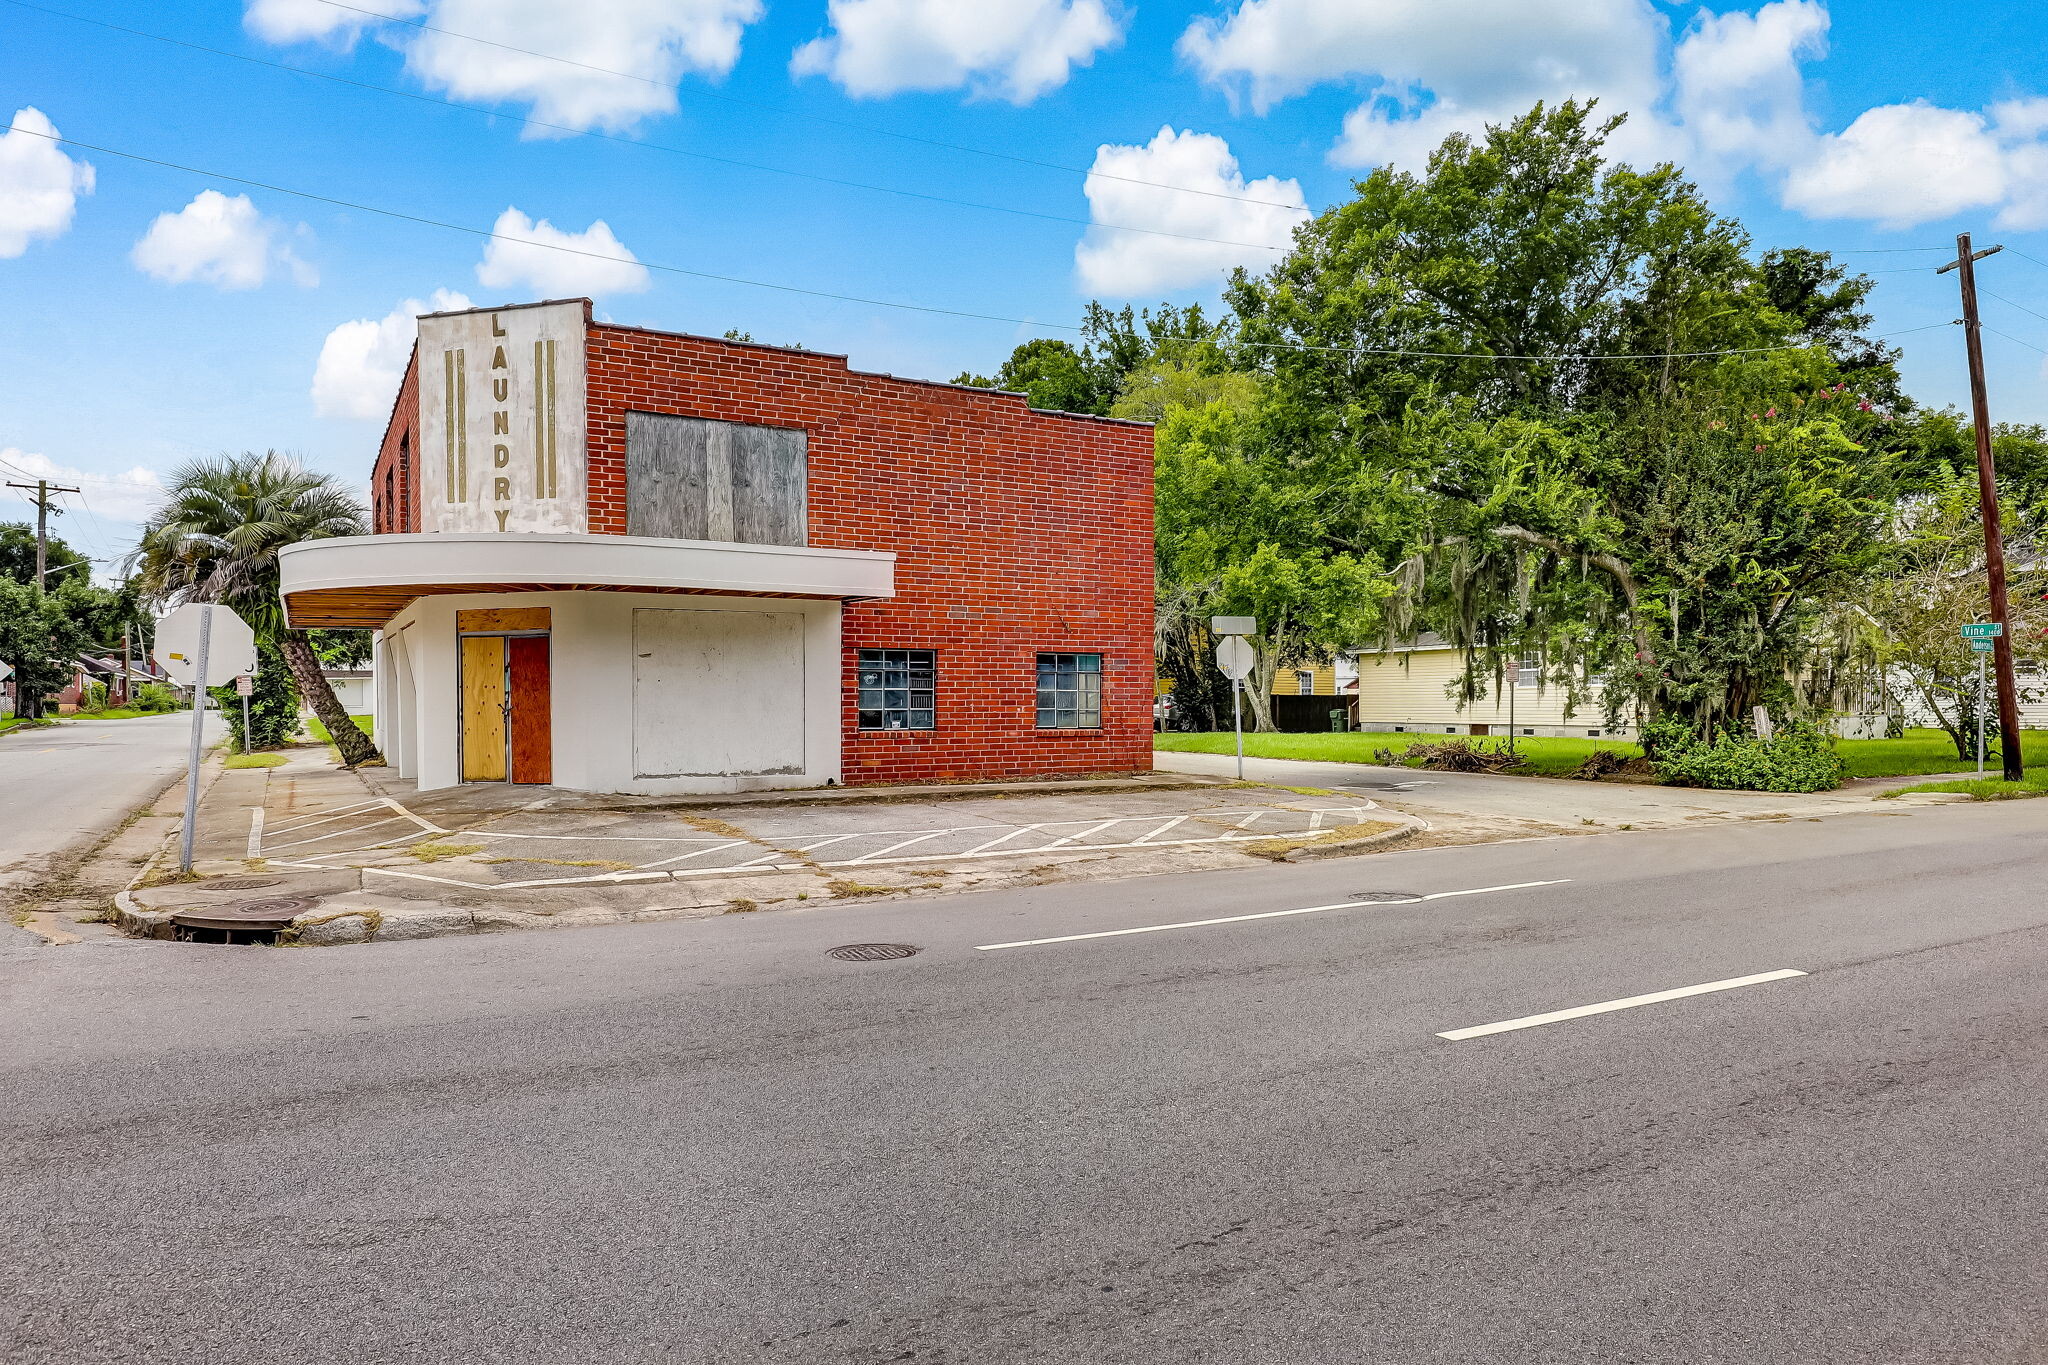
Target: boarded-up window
{"points": [[717, 693], [692, 479]]}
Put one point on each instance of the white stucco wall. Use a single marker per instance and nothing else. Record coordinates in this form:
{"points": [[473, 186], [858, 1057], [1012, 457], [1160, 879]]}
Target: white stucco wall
{"points": [[595, 713]]}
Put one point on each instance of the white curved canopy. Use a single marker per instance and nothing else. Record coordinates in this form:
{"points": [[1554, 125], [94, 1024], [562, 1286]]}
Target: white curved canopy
{"points": [[366, 580]]}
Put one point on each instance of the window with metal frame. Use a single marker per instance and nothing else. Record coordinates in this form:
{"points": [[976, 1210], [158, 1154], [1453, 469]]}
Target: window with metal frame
{"points": [[1304, 682], [1070, 691], [897, 689]]}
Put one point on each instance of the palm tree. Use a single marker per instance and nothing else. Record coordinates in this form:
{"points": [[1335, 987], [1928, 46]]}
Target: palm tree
{"points": [[215, 538]]}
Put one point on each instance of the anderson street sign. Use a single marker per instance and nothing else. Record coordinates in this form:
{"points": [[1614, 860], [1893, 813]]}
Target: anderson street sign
{"points": [[1978, 646]]}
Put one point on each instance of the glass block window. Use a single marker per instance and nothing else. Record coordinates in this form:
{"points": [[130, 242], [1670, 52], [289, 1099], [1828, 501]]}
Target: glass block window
{"points": [[1070, 691], [896, 689]]}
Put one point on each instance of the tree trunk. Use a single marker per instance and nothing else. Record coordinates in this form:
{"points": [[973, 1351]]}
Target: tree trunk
{"points": [[355, 746]]}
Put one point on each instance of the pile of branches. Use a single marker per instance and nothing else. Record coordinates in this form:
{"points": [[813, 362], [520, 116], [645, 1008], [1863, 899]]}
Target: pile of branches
{"points": [[1612, 763], [1454, 756]]}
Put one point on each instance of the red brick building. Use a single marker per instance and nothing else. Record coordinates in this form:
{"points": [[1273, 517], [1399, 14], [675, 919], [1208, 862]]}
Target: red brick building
{"points": [[621, 559]]}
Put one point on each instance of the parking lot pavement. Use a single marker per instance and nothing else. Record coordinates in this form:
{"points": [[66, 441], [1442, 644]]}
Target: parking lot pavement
{"points": [[524, 848]]}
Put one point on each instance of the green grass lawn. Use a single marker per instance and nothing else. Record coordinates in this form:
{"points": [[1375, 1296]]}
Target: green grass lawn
{"points": [[1987, 788], [1917, 751], [320, 733], [255, 761], [118, 713], [14, 722]]}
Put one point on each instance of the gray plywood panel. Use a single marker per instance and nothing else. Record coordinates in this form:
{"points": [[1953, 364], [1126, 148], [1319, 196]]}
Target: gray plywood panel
{"points": [[695, 479]]}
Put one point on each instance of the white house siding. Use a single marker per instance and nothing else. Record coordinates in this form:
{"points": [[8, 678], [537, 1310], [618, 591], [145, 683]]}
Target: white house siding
{"points": [[1412, 691], [2033, 714]]}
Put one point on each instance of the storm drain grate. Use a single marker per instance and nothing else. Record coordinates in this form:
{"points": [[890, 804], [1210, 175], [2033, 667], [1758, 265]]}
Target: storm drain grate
{"points": [[243, 883], [1376, 897], [871, 952], [257, 921]]}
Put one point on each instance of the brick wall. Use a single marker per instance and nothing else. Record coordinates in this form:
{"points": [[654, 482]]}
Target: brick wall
{"points": [[394, 486], [1015, 532]]}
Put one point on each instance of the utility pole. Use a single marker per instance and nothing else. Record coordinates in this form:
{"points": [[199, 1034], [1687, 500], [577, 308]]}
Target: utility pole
{"points": [[43, 488], [1987, 507]]}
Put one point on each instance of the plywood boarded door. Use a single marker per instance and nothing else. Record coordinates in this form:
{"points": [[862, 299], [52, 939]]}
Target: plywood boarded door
{"points": [[483, 708], [532, 736]]}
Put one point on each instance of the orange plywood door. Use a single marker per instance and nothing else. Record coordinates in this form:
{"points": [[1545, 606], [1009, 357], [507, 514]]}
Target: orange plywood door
{"points": [[532, 733], [483, 708]]}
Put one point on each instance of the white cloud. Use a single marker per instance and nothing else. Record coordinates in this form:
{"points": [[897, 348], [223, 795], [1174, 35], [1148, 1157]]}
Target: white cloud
{"points": [[362, 362], [1440, 66], [221, 240], [1123, 264], [547, 262], [1739, 89], [1901, 164], [1008, 49], [130, 496], [299, 21], [39, 185]]}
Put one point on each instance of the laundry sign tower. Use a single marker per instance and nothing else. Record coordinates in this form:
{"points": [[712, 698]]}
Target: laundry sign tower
{"points": [[502, 420]]}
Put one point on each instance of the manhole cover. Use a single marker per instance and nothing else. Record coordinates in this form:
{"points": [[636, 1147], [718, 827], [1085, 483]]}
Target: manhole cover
{"points": [[871, 952], [243, 883], [1373, 897]]}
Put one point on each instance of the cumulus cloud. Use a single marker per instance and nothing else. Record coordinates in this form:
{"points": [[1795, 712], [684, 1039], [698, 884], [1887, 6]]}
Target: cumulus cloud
{"points": [[1123, 264], [592, 64], [362, 362], [128, 496], [221, 240], [1006, 49], [1436, 67], [299, 21], [39, 185], [1738, 86], [1901, 164], [543, 260]]}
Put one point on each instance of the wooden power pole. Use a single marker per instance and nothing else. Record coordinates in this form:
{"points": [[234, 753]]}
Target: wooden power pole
{"points": [[43, 488], [1987, 504]]}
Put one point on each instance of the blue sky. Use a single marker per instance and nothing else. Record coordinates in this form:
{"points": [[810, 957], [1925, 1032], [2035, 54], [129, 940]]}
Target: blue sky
{"points": [[152, 314]]}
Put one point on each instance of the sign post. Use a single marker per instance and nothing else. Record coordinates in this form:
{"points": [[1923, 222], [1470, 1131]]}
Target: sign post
{"points": [[203, 646], [243, 687], [1235, 656], [1514, 677], [1983, 637]]}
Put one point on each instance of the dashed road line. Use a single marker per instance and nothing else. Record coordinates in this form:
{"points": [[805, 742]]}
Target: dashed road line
{"points": [[1628, 1003], [1264, 914]]}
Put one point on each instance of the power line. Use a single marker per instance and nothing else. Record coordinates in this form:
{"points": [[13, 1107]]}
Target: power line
{"points": [[2015, 340], [488, 234], [787, 111], [2010, 304], [856, 298], [531, 122]]}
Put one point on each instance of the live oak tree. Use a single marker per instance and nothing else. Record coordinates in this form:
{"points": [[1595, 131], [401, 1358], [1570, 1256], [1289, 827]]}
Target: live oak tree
{"points": [[215, 538]]}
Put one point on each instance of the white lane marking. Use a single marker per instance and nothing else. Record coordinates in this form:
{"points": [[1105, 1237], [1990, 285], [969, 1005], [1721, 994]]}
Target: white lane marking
{"points": [[1266, 914], [685, 857], [1092, 829], [255, 832], [340, 833], [428, 825], [1170, 824], [1581, 1011], [288, 826], [931, 834]]}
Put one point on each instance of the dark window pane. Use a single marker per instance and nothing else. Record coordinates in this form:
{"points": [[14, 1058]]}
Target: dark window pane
{"points": [[871, 720]]}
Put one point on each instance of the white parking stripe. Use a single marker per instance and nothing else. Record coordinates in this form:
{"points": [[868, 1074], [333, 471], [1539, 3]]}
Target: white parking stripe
{"points": [[290, 825], [255, 845], [870, 857], [1266, 914], [1581, 1011], [1148, 838], [1092, 829], [339, 834]]}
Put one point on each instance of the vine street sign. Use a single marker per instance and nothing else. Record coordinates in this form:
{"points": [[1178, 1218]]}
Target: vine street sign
{"points": [[231, 650], [1235, 657], [1983, 630]]}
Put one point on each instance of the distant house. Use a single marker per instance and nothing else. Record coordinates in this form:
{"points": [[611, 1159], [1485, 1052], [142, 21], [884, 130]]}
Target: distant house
{"points": [[353, 688], [1412, 688]]}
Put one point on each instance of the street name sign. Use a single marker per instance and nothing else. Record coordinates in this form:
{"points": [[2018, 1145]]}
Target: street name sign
{"points": [[1235, 657], [1978, 646], [231, 650], [1983, 630], [1234, 625]]}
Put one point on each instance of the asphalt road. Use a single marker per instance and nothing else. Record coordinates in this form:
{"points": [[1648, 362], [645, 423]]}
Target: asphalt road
{"points": [[66, 785], [1237, 1142]]}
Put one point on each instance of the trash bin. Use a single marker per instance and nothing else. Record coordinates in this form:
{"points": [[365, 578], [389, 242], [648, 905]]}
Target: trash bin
{"points": [[1340, 720]]}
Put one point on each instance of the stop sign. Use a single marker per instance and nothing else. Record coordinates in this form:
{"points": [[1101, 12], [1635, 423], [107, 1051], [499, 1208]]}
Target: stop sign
{"points": [[231, 647]]}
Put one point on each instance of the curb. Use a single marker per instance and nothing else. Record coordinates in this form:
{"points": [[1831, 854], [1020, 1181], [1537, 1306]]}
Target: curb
{"points": [[1311, 852]]}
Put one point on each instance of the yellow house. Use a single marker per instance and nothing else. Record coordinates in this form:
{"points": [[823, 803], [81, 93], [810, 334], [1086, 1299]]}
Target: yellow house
{"points": [[1308, 680], [1411, 688]]}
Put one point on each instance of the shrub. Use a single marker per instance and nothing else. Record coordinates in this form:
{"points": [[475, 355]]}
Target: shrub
{"points": [[273, 705], [93, 697], [154, 697], [1800, 757]]}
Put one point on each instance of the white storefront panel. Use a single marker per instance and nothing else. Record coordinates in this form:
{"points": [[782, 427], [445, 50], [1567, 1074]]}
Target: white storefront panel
{"points": [[717, 693]]}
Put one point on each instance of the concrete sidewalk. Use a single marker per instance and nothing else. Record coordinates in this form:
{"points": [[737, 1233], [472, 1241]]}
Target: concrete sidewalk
{"points": [[371, 857], [1480, 804]]}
